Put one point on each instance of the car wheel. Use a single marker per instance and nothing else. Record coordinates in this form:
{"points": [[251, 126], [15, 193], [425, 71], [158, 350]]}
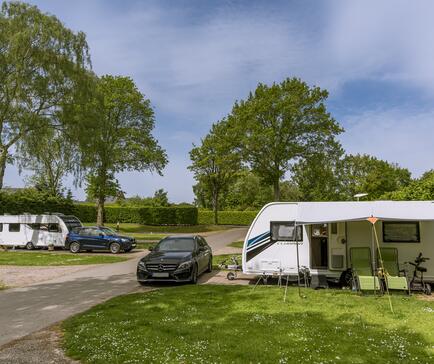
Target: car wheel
{"points": [[74, 247], [115, 248], [209, 269], [30, 246], [194, 275]]}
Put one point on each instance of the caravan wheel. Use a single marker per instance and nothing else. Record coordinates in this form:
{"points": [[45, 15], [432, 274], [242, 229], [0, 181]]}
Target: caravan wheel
{"points": [[30, 246]]}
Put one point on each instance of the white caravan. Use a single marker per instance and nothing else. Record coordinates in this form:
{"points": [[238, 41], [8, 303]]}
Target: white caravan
{"points": [[36, 231], [326, 231]]}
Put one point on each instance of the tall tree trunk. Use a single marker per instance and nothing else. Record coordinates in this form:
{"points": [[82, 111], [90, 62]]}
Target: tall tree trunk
{"points": [[215, 206], [276, 189], [100, 211], [3, 157]]}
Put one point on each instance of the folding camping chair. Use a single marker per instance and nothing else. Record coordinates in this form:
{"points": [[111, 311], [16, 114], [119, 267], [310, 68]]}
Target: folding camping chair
{"points": [[392, 274], [361, 265]]}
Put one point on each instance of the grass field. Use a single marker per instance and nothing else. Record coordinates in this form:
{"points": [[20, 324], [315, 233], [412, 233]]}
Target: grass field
{"points": [[51, 259], [237, 244], [218, 259], [234, 324]]}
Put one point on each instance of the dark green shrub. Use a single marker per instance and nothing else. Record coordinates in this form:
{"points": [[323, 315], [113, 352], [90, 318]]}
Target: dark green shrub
{"points": [[141, 215], [33, 202], [206, 217]]}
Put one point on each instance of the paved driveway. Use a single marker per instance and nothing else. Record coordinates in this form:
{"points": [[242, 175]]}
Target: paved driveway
{"points": [[27, 309]]}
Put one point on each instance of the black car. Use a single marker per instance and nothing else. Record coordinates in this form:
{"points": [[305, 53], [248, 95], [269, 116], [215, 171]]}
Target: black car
{"points": [[176, 259], [98, 238]]}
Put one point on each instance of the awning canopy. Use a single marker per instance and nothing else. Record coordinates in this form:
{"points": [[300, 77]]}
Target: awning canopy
{"points": [[328, 212]]}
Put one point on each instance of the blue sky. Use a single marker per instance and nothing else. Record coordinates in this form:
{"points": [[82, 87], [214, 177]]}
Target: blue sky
{"points": [[193, 59]]}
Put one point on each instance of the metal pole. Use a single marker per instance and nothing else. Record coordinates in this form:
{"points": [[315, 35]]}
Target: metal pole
{"points": [[298, 259]]}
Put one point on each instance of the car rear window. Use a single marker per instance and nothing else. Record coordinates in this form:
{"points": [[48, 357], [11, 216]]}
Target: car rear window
{"points": [[176, 244]]}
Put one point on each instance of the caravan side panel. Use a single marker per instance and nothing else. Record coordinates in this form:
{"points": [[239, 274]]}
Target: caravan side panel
{"points": [[261, 255]]}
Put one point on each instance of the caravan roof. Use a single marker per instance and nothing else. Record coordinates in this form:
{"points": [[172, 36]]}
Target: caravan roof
{"points": [[326, 212]]}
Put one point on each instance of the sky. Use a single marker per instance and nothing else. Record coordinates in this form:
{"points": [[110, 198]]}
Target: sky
{"points": [[194, 59]]}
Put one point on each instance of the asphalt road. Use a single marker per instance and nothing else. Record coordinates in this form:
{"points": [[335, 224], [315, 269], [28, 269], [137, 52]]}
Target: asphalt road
{"points": [[28, 309]]}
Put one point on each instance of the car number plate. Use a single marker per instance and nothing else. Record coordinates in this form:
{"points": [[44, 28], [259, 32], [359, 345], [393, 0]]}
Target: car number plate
{"points": [[160, 275]]}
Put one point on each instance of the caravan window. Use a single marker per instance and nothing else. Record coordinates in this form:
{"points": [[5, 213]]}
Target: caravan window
{"points": [[14, 228], [284, 231], [401, 232], [54, 228], [1, 227]]}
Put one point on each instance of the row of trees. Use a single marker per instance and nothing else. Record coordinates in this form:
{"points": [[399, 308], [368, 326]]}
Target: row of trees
{"points": [[57, 117], [284, 130]]}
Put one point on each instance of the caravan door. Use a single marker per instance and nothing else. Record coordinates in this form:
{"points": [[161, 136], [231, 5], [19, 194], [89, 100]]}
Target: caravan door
{"points": [[337, 246]]}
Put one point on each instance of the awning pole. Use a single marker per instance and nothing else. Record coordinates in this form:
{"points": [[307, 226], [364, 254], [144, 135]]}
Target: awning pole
{"points": [[298, 259]]}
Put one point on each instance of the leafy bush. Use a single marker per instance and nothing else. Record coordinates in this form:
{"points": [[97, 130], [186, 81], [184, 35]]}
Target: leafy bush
{"points": [[141, 215], [34, 202], [206, 217]]}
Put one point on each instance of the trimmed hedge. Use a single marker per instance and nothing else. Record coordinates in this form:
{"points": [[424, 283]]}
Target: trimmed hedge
{"points": [[33, 202], [206, 217], [175, 215]]}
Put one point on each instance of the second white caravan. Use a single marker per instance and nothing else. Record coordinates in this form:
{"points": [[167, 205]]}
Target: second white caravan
{"points": [[36, 231]]}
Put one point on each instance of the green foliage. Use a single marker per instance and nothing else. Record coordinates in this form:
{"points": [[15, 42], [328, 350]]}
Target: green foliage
{"points": [[140, 215], [160, 199], [419, 189], [318, 177], [364, 173], [51, 156], [206, 217], [116, 135], [281, 123], [94, 189], [43, 67], [34, 202], [215, 163]]}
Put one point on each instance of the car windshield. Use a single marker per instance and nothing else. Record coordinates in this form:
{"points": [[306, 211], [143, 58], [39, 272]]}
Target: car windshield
{"points": [[108, 231], [176, 244]]}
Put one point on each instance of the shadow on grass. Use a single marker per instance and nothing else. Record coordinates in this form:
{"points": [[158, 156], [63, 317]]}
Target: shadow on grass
{"points": [[222, 324]]}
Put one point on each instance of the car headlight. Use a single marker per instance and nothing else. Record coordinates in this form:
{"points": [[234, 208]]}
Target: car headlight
{"points": [[142, 265], [185, 265]]}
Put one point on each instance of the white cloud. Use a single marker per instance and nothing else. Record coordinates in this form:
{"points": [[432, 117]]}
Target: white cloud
{"points": [[194, 63], [393, 135]]}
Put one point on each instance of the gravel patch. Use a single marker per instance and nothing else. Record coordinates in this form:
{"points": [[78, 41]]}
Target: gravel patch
{"points": [[41, 347], [19, 276]]}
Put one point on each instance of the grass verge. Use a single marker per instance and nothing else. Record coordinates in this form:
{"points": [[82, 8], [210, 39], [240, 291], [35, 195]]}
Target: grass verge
{"points": [[234, 324], [237, 244], [53, 259], [218, 259]]}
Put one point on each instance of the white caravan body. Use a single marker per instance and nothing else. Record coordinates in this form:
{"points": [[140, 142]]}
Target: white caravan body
{"points": [[40, 230], [326, 231]]}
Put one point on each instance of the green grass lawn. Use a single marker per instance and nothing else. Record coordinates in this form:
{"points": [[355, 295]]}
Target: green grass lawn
{"points": [[50, 259], [234, 324], [218, 259], [237, 244]]}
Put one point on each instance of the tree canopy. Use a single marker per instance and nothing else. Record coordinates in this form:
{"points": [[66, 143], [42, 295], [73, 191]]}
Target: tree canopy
{"points": [[117, 136], [43, 67], [215, 162], [280, 124]]}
